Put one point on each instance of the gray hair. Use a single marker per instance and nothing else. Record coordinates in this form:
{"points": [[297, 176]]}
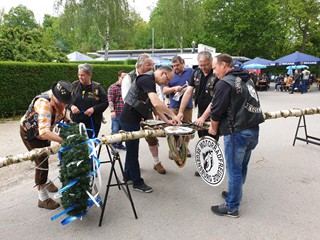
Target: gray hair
{"points": [[87, 68], [142, 59], [204, 55], [167, 69]]}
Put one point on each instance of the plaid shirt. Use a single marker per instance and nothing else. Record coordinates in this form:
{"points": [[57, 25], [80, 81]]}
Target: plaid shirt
{"points": [[114, 95], [44, 110], [47, 115]]}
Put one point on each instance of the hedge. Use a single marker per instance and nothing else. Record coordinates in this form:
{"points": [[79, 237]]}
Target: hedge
{"points": [[21, 82], [128, 61]]}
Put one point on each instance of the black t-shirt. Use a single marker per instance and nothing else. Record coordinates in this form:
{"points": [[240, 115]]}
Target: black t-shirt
{"points": [[220, 101], [146, 84], [201, 84]]}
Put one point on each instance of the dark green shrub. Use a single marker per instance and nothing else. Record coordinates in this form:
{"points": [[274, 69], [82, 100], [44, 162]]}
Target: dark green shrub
{"points": [[21, 82]]}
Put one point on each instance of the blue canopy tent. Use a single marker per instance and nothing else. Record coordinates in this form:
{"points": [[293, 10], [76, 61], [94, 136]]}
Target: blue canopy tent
{"points": [[297, 67], [296, 58], [237, 63], [254, 66], [258, 60], [290, 68]]}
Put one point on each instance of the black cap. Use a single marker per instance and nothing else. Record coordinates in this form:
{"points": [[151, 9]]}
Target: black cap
{"points": [[62, 91]]}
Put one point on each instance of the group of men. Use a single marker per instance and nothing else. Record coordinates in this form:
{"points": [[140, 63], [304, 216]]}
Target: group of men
{"points": [[300, 81], [225, 96]]}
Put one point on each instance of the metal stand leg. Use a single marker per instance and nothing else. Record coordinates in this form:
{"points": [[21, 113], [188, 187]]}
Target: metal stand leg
{"points": [[121, 185], [307, 137]]}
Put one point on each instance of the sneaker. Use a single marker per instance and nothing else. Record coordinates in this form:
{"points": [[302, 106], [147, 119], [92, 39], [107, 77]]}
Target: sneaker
{"points": [[197, 174], [142, 188], [48, 204], [51, 187], [159, 168], [224, 194], [188, 153], [224, 210]]}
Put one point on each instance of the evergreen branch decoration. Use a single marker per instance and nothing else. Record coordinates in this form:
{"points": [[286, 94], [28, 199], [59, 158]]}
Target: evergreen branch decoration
{"points": [[75, 165]]}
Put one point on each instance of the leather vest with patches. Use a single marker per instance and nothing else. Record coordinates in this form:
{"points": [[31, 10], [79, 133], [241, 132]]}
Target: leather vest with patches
{"points": [[211, 81], [244, 111], [134, 99]]}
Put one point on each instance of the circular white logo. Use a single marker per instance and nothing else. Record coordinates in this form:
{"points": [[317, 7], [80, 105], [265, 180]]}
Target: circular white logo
{"points": [[210, 161]]}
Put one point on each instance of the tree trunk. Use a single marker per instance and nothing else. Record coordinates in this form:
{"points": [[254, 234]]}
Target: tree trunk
{"points": [[106, 51]]}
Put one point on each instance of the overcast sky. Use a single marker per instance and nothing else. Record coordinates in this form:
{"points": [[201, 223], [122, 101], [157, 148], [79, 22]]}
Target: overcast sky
{"points": [[41, 7]]}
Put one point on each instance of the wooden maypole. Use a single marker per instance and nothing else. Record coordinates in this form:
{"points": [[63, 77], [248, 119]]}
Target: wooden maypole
{"points": [[125, 136], [119, 137]]}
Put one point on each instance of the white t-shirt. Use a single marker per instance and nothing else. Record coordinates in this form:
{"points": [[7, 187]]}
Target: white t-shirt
{"points": [[305, 74]]}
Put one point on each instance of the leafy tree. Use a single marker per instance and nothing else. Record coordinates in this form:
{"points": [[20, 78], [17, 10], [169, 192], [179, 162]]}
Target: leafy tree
{"points": [[84, 19], [20, 17], [305, 18], [143, 36], [177, 23], [19, 45], [1, 15], [246, 27]]}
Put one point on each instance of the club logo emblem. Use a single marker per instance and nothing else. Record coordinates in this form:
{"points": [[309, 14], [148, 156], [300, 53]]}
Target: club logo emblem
{"points": [[210, 161]]}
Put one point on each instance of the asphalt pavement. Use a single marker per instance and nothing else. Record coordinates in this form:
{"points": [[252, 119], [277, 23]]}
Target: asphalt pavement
{"points": [[280, 199]]}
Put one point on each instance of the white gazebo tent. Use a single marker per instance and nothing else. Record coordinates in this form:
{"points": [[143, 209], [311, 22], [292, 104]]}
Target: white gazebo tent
{"points": [[78, 56]]}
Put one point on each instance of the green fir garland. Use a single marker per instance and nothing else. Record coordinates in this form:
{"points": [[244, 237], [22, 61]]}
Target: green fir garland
{"points": [[75, 165]]}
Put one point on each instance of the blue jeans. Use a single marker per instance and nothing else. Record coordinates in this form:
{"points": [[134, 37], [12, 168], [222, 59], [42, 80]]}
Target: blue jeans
{"points": [[132, 166], [115, 127], [298, 86], [238, 148], [305, 85]]}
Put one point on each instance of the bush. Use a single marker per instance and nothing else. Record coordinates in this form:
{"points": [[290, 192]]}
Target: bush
{"points": [[21, 82], [119, 62]]}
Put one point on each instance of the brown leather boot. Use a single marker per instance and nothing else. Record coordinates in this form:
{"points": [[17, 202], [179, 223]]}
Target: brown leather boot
{"points": [[48, 204], [159, 168]]}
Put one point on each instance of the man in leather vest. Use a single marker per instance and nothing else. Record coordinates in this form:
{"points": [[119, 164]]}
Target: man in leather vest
{"points": [[36, 131], [144, 64], [203, 82], [140, 100], [235, 114]]}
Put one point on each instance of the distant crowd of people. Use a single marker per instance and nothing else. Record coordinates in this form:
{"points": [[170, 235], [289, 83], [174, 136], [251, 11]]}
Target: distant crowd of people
{"points": [[299, 81]]}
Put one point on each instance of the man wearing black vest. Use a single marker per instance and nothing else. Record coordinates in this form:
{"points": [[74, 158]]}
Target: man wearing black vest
{"points": [[235, 114], [36, 131], [144, 64], [140, 100], [203, 82]]}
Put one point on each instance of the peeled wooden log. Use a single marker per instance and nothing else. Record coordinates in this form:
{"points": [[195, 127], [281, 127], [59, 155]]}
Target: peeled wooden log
{"points": [[119, 137], [31, 155], [296, 112], [125, 136]]}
